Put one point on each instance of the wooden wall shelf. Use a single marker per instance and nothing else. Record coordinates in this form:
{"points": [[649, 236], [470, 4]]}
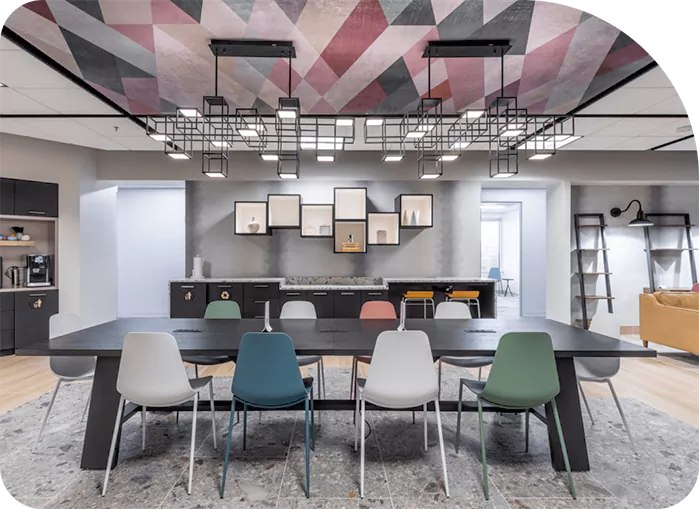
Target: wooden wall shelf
{"points": [[17, 243]]}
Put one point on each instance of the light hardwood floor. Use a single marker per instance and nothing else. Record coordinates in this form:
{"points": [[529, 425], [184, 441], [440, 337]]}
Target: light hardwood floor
{"points": [[669, 383]]}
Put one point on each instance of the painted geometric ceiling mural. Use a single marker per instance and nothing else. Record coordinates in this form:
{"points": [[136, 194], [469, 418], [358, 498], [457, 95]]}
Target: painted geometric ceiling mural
{"points": [[353, 56]]}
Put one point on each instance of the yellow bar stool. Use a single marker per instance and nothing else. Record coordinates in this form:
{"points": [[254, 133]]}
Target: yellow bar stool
{"points": [[419, 298], [470, 297]]}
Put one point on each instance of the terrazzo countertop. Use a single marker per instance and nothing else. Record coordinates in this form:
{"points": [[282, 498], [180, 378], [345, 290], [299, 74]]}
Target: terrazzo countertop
{"points": [[306, 283]]}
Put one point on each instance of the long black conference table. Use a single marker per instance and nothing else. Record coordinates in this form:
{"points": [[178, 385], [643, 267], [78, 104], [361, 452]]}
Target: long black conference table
{"points": [[477, 337]]}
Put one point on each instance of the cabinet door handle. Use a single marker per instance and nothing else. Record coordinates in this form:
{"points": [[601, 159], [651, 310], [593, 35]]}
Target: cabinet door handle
{"points": [[261, 286], [320, 293], [37, 295], [373, 293], [37, 212], [224, 286], [259, 316], [293, 294], [187, 286], [260, 301], [346, 293]]}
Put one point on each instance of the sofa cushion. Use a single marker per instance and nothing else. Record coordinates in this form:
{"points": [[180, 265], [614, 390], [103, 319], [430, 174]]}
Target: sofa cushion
{"points": [[679, 299]]}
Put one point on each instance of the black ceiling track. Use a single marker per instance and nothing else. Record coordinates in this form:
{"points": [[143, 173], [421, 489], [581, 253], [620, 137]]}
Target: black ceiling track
{"points": [[467, 48], [50, 62], [252, 48], [672, 142]]}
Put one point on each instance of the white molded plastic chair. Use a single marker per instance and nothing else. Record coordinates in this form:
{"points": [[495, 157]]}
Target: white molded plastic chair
{"points": [[67, 369], [602, 369], [456, 310], [302, 309], [401, 375], [151, 374]]}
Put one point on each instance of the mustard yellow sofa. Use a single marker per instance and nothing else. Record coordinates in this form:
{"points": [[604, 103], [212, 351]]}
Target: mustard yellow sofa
{"points": [[671, 319]]}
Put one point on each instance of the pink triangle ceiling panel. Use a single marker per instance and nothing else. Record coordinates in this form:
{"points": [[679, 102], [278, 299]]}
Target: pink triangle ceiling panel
{"points": [[153, 55]]}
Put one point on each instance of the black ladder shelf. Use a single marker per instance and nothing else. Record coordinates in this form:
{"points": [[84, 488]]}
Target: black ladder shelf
{"points": [[584, 298], [687, 226]]}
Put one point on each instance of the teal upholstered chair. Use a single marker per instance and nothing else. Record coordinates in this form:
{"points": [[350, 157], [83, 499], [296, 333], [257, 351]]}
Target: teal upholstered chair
{"points": [[267, 376], [523, 376]]}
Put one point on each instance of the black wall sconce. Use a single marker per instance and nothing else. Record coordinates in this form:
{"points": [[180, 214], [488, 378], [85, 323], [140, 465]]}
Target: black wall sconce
{"points": [[641, 219]]}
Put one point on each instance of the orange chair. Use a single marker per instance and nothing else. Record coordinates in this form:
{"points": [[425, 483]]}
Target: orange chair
{"points": [[372, 310]]}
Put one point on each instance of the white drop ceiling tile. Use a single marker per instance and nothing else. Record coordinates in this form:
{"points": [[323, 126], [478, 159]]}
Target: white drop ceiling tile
{"points": [[688, 144], [588, 126], [669, 128], [6, 45], [630, 100], [633, 127], [141, 142], [14, 103], [596, 142], [655, 78], [65, 130], [68, 100], [643, 142], [106, 127], [670, 106], [16, 126], [18, 69]]}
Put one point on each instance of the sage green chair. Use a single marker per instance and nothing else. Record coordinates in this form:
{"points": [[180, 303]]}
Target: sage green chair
{"points": [[523, 376]]}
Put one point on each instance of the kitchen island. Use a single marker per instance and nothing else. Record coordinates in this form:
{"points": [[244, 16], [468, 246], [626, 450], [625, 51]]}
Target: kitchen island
{"points": [[333, 296]]}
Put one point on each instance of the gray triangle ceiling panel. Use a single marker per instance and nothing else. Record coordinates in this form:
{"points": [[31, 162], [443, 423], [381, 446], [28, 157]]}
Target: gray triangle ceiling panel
{"points": [[292, 8], [243, 8], [191, 7], [419, 12], [513, 23], [95, 64], [91, 7]]}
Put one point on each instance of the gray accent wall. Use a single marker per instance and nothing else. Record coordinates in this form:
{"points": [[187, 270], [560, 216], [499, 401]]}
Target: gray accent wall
{"points": [[450, 248]]}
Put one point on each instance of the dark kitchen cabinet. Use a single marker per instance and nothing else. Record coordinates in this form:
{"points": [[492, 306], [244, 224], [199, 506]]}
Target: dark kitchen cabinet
{"points": [[255, 308], [347, 303], [7, 323], [7, 196], [289, 295], [33, 309], [261, 290], [38, 199], [187, 300], [226, 291], [369, 295], [324, 302]]}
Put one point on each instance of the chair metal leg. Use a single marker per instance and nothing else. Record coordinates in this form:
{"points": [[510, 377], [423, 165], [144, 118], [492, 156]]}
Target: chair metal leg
{"points": [[353, 378], [458, 418], [143, 428], [424, 305], [321, 385], [480, 372], [526, 431], [48, 410], [228, 449], [213, 411], [308, 464], [87, 405], [424, 418], [441, 447], [322, 377], [433, 308], [623, 417], [361, 454], [356, 427], [439, 377], [313, 424], [483, 460], [117, 425], [564, 449], [582, 393], [194, 437], [245, 426], [478, 307]]}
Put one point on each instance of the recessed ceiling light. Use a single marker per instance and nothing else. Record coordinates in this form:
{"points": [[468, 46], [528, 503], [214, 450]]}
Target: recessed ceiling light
{"points": [[430, 176], [415, 134], [473, 114], [539, 157], [563, 140], [425, 127], [392, 158], [179, 155], [374, 121], [503, 175], [248, 133], [269, 157], [215, 175], [448, 157], [308, 146], [288, 176], [344, 122], [325, 159], [460, 144], [286, 113], [189, 112], [220, 143], [159, 137]]}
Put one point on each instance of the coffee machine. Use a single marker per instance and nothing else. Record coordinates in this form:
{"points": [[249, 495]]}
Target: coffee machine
{"points": [[38, 270]]}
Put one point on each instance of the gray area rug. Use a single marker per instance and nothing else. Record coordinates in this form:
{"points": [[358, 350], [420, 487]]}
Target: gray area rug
{"points": [[399, 474]]}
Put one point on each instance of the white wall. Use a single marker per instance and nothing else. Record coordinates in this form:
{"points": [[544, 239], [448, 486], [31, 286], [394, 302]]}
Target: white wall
{"points": [[627, 258], [32, 159], [151, 248], [558, 268], [533, 251], [98, 253], [510, 247]]}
